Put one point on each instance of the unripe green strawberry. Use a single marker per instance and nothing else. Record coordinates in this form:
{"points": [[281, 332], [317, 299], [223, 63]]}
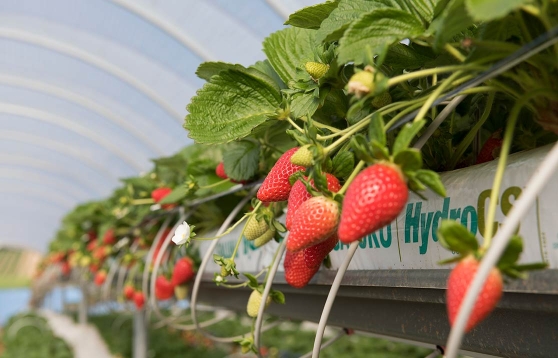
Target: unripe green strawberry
{"points": [[254, 303], [303, 156], [255, 228], [224, 272], [264, 239], [381, 100], [361, 83], [181, 292], [316, 69], [459, 281]]}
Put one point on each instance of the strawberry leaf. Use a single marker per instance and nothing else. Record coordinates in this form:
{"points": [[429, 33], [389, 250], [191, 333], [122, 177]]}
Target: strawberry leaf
{"points": [[379, 151], [376, 129], [252, 280], [453, 20], [372, 33], [343, 164], [311, 17], [361, 148], [176, 195], [277, 296], [486, 10], [455, 237], [512, 252], [431, 180], [208, 69], [531, 267], [241, 159], [288, 49], [230, 106], [451, 260], [406, 135], [409, 160]]}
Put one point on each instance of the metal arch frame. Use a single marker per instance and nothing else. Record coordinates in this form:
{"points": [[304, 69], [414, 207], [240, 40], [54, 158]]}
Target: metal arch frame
{"points": [[63, 122], [81, 101], [34, 177], [55, 146], [82, 55], [32, 162], [166, 26], [66, 204], [279, 8]]}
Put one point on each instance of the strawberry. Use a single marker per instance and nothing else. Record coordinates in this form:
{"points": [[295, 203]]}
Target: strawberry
{"points": [[183, 271], [315, 220], [109, 238], [303, 157], [491, 148], [91, 235], [316, 69], [66, 269], [220, 171], [139, 299], [297, 274], [299, 195], [181, 292], [458, 282], [92, 245], [315, 255], [265, 238], [159, 194], [254, 302], [164, 289], [374, 199], [101, 252], [100, 277], [276, 186], [255, 228], [381, 100], [129, 292]]}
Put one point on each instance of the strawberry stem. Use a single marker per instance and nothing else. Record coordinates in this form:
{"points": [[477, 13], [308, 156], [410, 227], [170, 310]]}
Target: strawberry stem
{"points": [[357, 170], [215, 184], [454, 52], [502, 161], [295, 125]]}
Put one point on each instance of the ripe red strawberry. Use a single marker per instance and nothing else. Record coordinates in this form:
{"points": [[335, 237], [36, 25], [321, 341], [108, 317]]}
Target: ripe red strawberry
{"points": [[276, 186], [100, 277], [109, 238], [91, 235], [94, 268], [183, 271], [139, 299], [164, 289], [315, 255], [92, 245], [315, 220], [374, 199], [458, 282], [159, 194], [297, 274], [129, 292], [101, 252], [220, 171], [66, 269], [299, 195], [491, 148]]}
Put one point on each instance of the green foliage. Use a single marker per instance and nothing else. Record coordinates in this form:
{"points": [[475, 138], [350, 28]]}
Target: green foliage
{"points": [[311, 17], [486, 10], [241, 159]]}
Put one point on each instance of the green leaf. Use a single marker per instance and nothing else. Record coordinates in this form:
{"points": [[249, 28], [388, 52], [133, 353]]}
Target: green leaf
{"points": [[208, 69], [241, 159], [176, 195], [406, 135], [303, 104], [265, 67], [451, 22], [512, 252], [409, 159], [343, 164], [501, 30], [253, 281], [400, 56], [376, 129], [451, 260], [361, 148], [487, 10], [379, 151], [288, 49], [531, 267], [311, 17], [373, 32], [456, 237], [432, 180], [277, 296], [229, 107]]}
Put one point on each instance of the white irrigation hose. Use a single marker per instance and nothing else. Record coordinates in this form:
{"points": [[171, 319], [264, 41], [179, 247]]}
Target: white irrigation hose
{"points": [[149, 257], [157, 264], [208, 256], [331, 298], [534, 186], [267, 289], [332, 340]]}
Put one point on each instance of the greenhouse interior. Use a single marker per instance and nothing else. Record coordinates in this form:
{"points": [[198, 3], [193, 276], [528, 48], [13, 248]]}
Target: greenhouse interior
{"points": [[279, 178]]}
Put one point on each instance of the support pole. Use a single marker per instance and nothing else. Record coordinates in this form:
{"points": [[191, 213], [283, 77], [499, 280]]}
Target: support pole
{"points": [[139, 343], [82, 313]]}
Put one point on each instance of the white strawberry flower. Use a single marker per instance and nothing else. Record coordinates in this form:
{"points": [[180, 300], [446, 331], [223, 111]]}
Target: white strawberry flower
{"points": [[181, 234]]}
